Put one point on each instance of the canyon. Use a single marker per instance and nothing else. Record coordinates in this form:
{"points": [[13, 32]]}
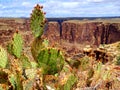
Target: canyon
{"points": [[87, 32], [85, 44]]}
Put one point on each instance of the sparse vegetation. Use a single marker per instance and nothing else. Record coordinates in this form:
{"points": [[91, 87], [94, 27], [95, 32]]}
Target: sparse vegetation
{"points": [[51, 69]]}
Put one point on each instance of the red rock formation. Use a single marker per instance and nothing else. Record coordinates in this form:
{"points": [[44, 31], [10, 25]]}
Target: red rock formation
{"points": [[53, 32], [9, 26], [90, 32], [5, 36], [107, 33], [81, 32]]}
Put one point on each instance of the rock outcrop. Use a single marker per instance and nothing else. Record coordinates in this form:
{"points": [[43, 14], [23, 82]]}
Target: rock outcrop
{"points": [[8, 27], [52, 32], [93, 33]]}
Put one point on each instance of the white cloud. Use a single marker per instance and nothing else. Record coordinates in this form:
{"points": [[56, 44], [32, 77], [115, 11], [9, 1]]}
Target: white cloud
{"points": [[63, 8], [70, 4], [96, 1], [26, 3], [57, 8], [81, 8], [2, 6]]}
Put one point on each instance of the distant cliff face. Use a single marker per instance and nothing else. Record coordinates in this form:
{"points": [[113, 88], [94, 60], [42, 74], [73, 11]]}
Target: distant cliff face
{"points": [[52, 32], [8, 26], [93, 33], [78, 32], [81, 32]]}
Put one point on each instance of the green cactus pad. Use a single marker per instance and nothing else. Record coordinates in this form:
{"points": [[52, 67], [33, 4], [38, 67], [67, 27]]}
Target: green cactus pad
{"points": [[51, 60], [37, 21], [25, 62], [15, 47], [12, 80], [3, 58], [36, 47], [70, 82]]}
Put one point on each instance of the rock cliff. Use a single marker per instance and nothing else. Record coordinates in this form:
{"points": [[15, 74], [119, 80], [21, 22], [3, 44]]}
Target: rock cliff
{"points": [[9, 25], [52, 32], [85, 32], [93, 33]]}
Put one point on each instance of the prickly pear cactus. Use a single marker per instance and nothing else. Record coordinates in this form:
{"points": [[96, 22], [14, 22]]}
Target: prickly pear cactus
{"points": [[51, 60], [9, 80], [37, 21], [37, 24], [70, 82], [25, 62], [36, 47], [3, 58], [15, 47]]}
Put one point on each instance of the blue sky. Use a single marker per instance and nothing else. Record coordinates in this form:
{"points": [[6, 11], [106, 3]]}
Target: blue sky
{"points": [[61, 8]]}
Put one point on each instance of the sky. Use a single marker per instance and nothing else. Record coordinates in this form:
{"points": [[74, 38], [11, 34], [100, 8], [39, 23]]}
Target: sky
{"points": [[61, 8]]}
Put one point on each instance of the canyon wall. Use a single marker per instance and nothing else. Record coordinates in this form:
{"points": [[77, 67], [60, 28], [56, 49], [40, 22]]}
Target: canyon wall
{"points": [[92, 33], [8, 27], [52, 32], [87, 32]]}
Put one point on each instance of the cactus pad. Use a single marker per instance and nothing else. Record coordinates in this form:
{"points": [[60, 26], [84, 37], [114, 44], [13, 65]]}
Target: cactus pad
{"points": [[3, 58], [37, 21], [15, 47], [51, 60]]}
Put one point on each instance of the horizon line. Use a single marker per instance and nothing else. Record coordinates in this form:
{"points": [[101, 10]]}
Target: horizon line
{"points": [[70, 17]]}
